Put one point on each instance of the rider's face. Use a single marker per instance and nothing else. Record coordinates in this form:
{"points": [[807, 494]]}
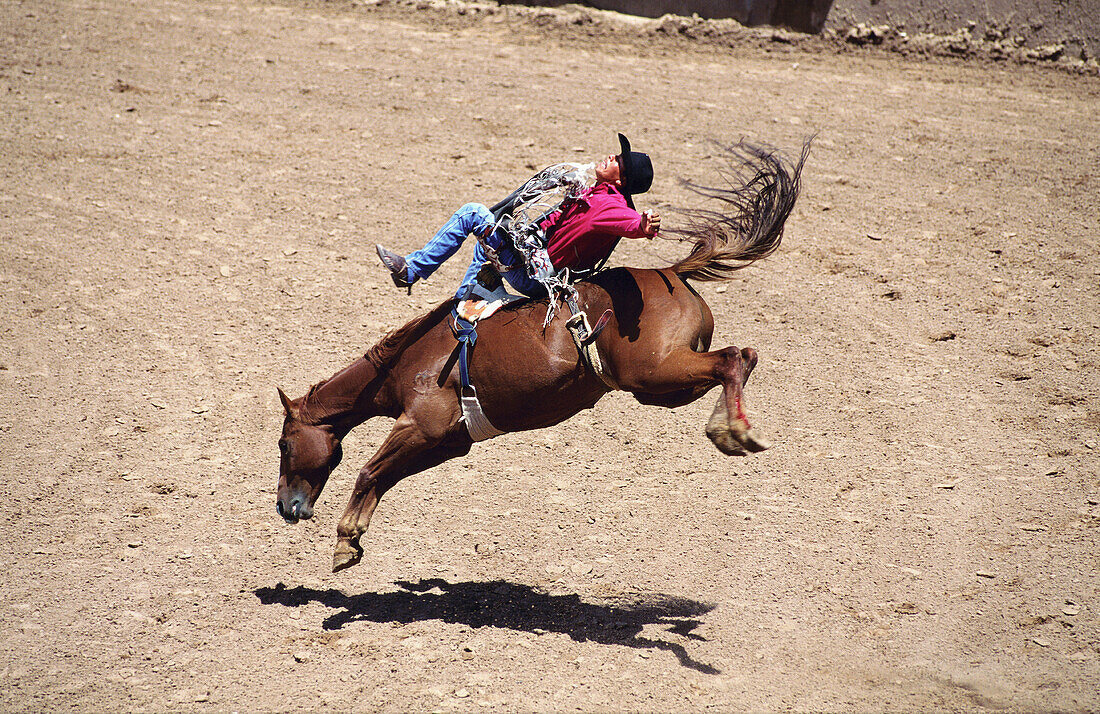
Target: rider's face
{"points": [[608, 170]]}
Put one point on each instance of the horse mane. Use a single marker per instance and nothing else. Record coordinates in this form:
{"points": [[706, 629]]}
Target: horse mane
{"points": [[316, 406], [760, 192], [389, 348]]}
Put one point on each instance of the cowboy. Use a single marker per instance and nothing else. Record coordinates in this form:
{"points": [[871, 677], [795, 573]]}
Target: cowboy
{"points": [[581, 235]]}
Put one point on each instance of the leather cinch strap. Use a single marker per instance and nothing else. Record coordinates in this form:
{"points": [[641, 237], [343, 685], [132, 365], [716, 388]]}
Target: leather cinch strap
{"points": [[477, 424], [466, 333]]}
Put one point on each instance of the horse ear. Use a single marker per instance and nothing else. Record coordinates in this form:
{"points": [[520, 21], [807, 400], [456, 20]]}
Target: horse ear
{"points": [[288, 405]]}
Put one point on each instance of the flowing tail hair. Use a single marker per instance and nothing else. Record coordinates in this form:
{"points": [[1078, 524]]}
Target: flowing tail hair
{"points": [[749, 226]]}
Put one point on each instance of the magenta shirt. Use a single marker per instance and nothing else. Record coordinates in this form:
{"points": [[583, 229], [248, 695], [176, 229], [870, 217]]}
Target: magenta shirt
{"points": [[587, 229]]}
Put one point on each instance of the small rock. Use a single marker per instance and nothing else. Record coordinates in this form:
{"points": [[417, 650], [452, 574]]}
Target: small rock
{"points": [[1041, 641], [1071, 608], [581, 568], [985, 574], [461, 693], [1047, 53], [301, 656], [134, 544]]}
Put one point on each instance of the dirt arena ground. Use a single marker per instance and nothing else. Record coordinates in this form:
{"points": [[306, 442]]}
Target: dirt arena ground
{"points": [[190, 192]]}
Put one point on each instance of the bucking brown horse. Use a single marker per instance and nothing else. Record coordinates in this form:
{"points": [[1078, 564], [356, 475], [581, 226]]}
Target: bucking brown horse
{"points": [[655, 346]]}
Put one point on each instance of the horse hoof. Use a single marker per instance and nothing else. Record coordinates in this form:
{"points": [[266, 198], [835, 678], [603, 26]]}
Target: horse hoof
{"points": [[346, 555], [754, 441], [735, 442], [726, 443]]}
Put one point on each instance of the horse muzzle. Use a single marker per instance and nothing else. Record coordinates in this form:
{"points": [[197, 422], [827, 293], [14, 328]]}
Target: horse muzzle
{"points": [[294, 509]]}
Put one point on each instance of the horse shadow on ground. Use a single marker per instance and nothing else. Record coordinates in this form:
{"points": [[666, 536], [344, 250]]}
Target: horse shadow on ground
{"points": [[499, 603]]}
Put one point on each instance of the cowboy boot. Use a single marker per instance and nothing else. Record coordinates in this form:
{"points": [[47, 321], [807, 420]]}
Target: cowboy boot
{"points": [[395, 263]]}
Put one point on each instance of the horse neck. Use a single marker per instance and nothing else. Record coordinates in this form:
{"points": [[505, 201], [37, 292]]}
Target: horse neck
{"points": [[346, 399]]}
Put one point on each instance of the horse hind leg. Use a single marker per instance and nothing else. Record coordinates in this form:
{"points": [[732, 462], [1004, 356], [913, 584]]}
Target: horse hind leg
{"points": [[748, 363], [685, 375], [728, 426], [681, 397]]}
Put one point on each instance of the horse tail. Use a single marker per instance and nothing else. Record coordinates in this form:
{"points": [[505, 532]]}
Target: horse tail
{"points": [[749, 226]]}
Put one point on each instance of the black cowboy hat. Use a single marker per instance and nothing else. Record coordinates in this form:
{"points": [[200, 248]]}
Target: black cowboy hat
{"points": [[636, 170]]}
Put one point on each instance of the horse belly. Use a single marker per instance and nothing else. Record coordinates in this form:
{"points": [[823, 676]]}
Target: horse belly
{"points": [[531, 386]]}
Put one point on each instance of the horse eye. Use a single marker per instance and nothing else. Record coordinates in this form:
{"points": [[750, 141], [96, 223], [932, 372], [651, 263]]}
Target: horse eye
{"points": [[283, 446]]}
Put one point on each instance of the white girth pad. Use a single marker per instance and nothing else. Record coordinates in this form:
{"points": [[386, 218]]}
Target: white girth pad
{"points": [[477, 423]]}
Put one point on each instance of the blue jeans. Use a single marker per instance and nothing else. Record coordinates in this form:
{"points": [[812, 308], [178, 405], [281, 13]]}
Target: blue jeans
{"points": [[471, 218]]}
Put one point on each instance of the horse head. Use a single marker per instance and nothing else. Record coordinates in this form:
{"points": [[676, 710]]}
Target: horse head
{"points": [[308, 454]]}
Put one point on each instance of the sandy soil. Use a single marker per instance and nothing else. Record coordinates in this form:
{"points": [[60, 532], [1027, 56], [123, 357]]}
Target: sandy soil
{"points": [[189, 195]]}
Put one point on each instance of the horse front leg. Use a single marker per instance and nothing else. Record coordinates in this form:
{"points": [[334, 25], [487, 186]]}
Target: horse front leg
{"points": [[406, 451]]}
